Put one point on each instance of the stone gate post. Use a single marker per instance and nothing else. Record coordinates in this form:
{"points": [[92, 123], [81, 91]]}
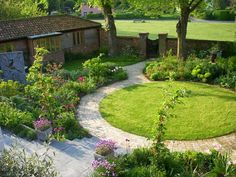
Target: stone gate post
{"points": [[143, 44], [162, 43]]}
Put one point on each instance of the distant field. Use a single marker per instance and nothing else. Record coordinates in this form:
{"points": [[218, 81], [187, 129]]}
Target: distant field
{"points": [[196, 30]]}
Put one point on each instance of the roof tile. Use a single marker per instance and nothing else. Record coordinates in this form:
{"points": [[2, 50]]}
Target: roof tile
{"points": [[16, 29]]}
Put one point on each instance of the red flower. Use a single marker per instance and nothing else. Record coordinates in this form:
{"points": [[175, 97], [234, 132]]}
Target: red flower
{"points": [[81, 79]]}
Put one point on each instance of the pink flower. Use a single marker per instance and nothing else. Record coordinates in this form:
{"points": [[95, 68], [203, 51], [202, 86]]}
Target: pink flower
{"points": [[42, 124], [81, 79]]}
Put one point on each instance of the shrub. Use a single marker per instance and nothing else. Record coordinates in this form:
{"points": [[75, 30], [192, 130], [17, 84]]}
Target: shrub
{"points": [[228, 80], [16, 162], [26, 132], [11, 117], [26, 105], [159, 70], [207, 72], [96, 70], [95, 16], [139, 163], [232, 64], [10, 88], [72, 129], [225, 15]]}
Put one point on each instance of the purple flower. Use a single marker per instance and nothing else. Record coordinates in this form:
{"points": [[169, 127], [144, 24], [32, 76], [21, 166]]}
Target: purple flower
{"points": [[105, 147], [106, 143], [104, 168], [42, 124]]}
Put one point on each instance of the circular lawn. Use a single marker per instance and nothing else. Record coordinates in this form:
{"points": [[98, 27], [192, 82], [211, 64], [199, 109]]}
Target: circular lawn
{"points": [[209, 111]]}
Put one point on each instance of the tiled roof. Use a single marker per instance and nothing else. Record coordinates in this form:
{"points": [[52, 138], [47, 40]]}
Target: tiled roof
{"points": [[17, 29]]}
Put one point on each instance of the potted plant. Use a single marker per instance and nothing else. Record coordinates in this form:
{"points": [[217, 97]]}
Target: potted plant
{"points": [[104, 149], [43, 128]]}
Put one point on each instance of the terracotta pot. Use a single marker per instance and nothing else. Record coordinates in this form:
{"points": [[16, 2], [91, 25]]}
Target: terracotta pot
{"points": [[43, 135], [101, 157]]}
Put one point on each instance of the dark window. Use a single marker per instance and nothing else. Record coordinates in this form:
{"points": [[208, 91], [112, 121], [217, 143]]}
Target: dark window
{"points": [[7, 47], [77, 38], [49, 43]]}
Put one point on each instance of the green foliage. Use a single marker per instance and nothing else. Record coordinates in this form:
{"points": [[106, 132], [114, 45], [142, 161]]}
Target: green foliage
{"points": [[95, 16], [159, 70], [68, 121], [228, 80], [69, 3], [17, 162], [26, 132], [224, 15], [194, 69], [185, 164], [10, 88], [172, 98], [96, 70], [207, 72], [12, 9], [11, 117]]}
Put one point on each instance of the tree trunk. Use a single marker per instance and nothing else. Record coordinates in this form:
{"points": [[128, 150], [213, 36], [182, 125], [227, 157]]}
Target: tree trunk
{"points": [[181, 29], [111, 30]]}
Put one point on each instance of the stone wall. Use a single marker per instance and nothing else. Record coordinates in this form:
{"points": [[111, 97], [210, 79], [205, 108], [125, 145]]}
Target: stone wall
{"points": [[57, 57], [197, 45], [91, 42], [126, 43], [166, 44]]}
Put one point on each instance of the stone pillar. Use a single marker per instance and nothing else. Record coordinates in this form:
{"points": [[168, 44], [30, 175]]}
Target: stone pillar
{"points": [[31, 50], [1, 141], [143, 44], [162, 43]]}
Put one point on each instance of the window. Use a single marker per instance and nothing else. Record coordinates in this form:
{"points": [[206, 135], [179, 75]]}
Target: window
{"points": [[77, 38], [50, 43], [85, 13], [7, 47]]}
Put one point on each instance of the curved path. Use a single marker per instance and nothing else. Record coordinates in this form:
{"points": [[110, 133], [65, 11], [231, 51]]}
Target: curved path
{"points": [[91, 119]]}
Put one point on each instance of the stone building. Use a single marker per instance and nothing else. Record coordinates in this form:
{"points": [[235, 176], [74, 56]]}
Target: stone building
{"points": [[58, 34]]}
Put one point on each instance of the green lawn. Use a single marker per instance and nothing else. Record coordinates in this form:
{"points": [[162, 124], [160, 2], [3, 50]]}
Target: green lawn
{"points": [[208, 112], [196, 30], [118, 60]]}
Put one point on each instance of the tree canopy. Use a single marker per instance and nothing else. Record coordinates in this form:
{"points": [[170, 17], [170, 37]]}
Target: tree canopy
{"points": [[12, 9]]}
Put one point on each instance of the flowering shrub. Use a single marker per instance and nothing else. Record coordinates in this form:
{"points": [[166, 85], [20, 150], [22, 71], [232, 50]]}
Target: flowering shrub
{"points": [[42, 124], [105, 147], [58, 133], [104, 168], [81, 79]]}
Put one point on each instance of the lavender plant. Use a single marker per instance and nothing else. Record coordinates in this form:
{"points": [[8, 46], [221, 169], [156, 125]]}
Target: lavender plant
{"points": [[104, 168], [105, 147]]}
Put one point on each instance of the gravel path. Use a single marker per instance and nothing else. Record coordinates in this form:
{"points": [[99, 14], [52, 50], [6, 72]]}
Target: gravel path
{"points": [[91, 119]]}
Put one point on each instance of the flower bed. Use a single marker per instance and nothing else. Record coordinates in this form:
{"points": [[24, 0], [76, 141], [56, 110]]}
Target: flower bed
{"points": [[223, 72], [53, 93]]}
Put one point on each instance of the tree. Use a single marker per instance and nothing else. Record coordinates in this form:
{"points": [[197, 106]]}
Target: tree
{"points": [[106, 6], [53, 5], [186, 7], [12, 9], [220, 4]]}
